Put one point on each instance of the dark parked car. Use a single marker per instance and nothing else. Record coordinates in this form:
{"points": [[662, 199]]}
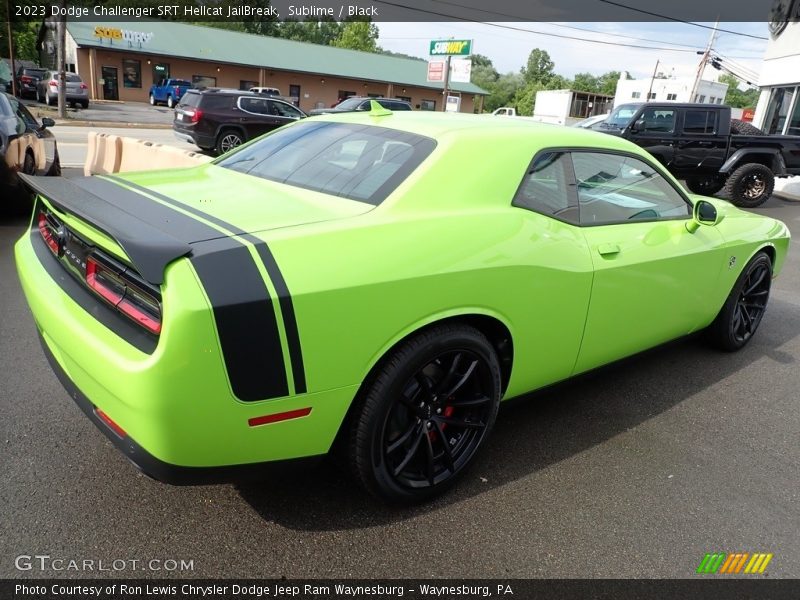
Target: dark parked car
{"points": [[362, 103], [218, 120], [703, 145], [25, 146], [27, 79], [77, 92]]}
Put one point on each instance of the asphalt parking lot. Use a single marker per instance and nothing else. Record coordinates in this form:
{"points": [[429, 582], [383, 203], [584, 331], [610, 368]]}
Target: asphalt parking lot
{"points": [[633, 471]]}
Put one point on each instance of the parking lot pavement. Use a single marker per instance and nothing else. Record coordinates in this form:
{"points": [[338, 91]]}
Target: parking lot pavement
{"points": [[119, 113], [636, 470]]}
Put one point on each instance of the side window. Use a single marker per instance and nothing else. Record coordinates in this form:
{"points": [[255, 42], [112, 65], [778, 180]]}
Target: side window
{"points": [[257, 106], [544, 188], [700, 122], [25, 120], [282, 109], [616, 189], [657, 121]]}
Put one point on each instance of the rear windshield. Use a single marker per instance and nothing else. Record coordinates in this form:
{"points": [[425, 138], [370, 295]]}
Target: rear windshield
{"points": [[34, 72], [359, 162], [72, 77], [190, 99]]}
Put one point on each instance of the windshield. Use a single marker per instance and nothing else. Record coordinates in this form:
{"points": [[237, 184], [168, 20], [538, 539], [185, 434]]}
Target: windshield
{"points": [[358, 162], [349, 104], [621, 116]]}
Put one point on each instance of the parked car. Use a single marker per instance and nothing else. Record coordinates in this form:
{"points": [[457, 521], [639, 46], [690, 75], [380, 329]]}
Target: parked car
{"points": [[169, 91], [218, 120], [269, 91], [703, 145], [27, 80], [77, 92], [373, 285], [359, 103], [26, 146]]}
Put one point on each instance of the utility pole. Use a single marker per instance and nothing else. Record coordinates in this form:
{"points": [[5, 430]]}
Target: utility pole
{"points": [[652, 80], [11, 51], [446, 83], [61, 58], [704, 61]]}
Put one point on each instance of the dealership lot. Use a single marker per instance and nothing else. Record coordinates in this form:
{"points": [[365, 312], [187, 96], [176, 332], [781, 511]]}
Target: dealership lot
{"points": [[636, 470]]}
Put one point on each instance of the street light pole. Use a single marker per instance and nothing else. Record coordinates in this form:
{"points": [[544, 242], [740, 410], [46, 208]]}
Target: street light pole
{"points": [[11, 51], [61, 58]]}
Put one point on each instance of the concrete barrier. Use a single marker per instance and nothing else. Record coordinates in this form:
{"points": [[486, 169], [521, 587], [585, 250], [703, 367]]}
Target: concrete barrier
{"points": [[115, 154]]}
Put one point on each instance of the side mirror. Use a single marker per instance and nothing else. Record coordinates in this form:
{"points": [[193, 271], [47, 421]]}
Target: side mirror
{"points": [[48, 122], [703, 213], [637, 126]]}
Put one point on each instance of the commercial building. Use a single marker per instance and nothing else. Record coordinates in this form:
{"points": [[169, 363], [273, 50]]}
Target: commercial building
{"points": [[778, 109], [120, 61], [669, 89]]}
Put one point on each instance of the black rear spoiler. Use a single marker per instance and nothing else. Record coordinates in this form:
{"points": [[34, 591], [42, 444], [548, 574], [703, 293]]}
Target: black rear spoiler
{"points": [[150, 248]]}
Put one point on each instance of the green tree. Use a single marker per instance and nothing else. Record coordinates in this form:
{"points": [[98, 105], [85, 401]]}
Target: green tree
{"points": [[539, 68], [503, 91], [585, 82], [736, 97], [358, 35], [607, 82], [483, 72]]}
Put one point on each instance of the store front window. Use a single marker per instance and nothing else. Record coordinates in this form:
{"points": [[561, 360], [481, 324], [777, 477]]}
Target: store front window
{"points": [[132, 73], [160, 72], [204, 81], [780, 106], [794, 121]]}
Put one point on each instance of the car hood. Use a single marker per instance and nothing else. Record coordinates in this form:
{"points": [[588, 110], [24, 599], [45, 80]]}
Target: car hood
{"points": [[244, 203]]}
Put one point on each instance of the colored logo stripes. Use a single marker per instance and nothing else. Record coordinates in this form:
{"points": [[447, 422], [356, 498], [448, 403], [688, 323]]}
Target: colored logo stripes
{"points": [[722, 563]]}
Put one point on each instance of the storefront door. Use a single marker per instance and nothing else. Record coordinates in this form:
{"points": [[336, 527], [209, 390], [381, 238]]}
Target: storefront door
{"points": [[110, 83]]}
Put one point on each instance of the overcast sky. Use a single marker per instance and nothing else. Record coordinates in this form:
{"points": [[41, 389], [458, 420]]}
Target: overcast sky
{"points": [[508, 49]]}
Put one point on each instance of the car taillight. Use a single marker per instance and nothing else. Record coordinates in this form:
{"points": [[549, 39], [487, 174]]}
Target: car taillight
{"points": [[84, 86], [53, 83], [194, 114], [26, 79], [177, 89], [125, 293], [47, 231]]}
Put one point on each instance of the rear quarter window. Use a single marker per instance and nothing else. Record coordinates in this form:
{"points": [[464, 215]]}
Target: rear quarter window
{"points": [[358, 162]]}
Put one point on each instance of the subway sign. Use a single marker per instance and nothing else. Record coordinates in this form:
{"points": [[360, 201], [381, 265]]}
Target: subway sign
{"points": [[451, 47]]}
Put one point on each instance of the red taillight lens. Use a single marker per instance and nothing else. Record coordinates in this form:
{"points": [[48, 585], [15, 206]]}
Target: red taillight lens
{"points": [[194, 114], [26, 79], [107, 420], [124, 294], [53, 83], [84, 86], [45, 228]]}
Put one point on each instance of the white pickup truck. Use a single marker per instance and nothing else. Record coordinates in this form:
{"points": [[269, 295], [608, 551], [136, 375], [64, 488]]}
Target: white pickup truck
{"points": [[505, 111]]}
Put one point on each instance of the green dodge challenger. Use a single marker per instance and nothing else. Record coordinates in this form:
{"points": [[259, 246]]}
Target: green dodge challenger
{"points": [[373, 284]]}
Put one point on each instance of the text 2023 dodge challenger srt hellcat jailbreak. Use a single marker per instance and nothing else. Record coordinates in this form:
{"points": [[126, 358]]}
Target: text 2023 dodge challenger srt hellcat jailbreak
{"points": [[379, 280]]}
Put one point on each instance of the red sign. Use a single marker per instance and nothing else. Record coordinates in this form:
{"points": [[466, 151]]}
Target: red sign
{"points": [[436, 70], [748, 114]]}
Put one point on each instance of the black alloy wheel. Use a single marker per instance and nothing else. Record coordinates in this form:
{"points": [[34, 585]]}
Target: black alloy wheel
{"points": [[742, 312], [426, 414], [228, 140]]}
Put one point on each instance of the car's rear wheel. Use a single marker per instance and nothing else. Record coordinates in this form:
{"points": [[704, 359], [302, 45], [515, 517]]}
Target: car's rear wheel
{"points": [[424, 414], [706, 186], [47, 99], [170, 102], [742, 312], [750, 185], [85, 104], [29, 164], [55, 168], [227, 140]]}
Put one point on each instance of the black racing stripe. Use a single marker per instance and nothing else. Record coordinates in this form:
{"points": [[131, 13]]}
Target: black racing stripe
{"points": [[268, 378], [246, 323], [275, 275]]}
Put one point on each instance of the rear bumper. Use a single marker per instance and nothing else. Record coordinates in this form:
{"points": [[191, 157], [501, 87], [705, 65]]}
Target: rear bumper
{"points": [[163, 471], [193, 137]]}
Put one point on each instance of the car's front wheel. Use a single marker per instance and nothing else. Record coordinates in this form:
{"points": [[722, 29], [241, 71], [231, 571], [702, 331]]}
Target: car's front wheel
{"points": [[228, 140], [152, 100], [742, 312], [424, 414]]}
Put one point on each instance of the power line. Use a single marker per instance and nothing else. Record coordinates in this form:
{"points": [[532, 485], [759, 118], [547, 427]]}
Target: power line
{"points": [[513, 28], [660, 16], [519, 18]]}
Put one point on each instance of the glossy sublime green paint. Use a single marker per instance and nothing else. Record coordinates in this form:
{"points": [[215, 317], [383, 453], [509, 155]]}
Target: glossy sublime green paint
{"points": [[445, 244]]}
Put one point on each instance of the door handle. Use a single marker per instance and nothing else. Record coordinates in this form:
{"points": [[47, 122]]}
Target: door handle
{"points": [[608, 249]]}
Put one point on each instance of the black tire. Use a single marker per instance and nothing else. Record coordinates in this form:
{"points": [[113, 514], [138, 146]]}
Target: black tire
{"points": [[170, 101], [741, 314], [55, 168], [750, 185], [705, 186], [444, 378], [85, 104], [227, 140], [152, 100], [740, 127]]}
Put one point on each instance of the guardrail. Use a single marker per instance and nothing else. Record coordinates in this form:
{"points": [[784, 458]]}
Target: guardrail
{"points": [[107, 153]]}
